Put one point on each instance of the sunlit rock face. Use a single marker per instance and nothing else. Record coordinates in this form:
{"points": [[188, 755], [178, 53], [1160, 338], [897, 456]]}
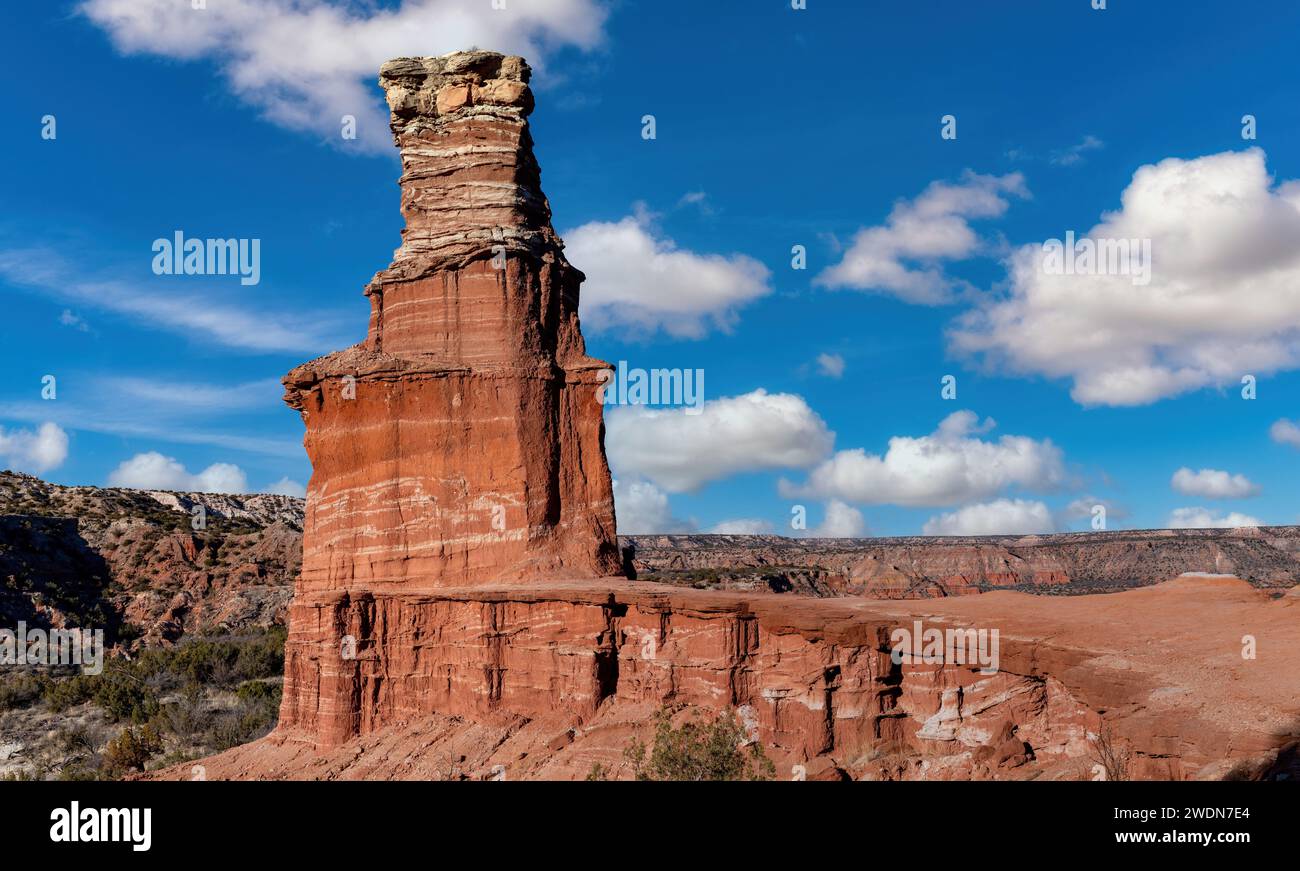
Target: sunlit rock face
{"points": [[461, 443]]}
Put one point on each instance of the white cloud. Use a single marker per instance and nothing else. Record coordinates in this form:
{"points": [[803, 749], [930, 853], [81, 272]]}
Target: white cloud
{"points": [[830, 365], [1083, 507], [645, 283], [947, 467], [177, 412], [253, 328], [743, 526], [217, 398], [1204, 518], [680, 451], [999, 517], [903, 256], [34, 451], [840, 521], [1213, 484], [1074, 154], [287, 487], [70, 319], [698, 199], [153, 471], [1223, 299], [641, 508], [1285, 432], [306, 63], [154, 421]]}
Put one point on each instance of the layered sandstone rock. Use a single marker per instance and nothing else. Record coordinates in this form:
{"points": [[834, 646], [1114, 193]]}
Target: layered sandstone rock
{"points": [[548, 681], [924, 567], [462, 441]]}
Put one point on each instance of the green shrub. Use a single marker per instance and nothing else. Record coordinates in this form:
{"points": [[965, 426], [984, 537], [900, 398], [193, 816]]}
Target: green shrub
{"points": [[254, 691], [123, 696], [18, 690], [131, 750], [699, 751], [61, 693]]}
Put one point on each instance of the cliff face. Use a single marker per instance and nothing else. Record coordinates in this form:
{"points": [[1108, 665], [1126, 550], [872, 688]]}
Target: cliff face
{"points": [[920, 567], [462, 441], [548, 681], [130, 562]]}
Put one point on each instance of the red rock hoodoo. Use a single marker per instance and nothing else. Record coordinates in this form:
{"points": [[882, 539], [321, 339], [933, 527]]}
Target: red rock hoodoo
{"points": [[461, 443]]}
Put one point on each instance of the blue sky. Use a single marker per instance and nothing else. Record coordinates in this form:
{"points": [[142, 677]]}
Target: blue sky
{"points": [[774, 128]]}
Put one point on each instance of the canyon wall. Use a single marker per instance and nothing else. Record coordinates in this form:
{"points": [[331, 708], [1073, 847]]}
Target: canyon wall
{"points": [[553, 681], [914, 567]]}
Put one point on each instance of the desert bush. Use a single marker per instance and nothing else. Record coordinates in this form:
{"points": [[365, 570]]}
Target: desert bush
{"points": [[124, 696], [61, 693], [1106, 752], [232, 728], [18, 690], [76, 739], [699, 751], [255, 691], [131, 750], [22, 774]]}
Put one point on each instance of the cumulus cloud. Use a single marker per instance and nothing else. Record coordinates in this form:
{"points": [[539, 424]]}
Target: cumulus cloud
{"points": [[1223, 298], [830, 365], [1286, 432], [641, 508], [287, 487], [999, 517], [304, 64], [1204, 518], [153, 471], [743, 526], [950, 466], [903, 257], [1213, 484], [644, 282], [840, 521], [681, 452], [34, 451]]}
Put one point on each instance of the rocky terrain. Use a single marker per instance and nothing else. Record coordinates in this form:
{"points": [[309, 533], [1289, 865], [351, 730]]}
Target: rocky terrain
{"points": [[917, 567], [132, 563]]}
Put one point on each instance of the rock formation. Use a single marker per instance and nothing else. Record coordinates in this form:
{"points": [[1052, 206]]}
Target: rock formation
{"points": [[462, 441], [458, 614]]}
